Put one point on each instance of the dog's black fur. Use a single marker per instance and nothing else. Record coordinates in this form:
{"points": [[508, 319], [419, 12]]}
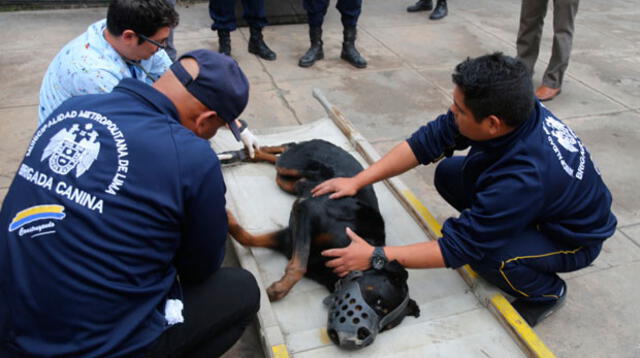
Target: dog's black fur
{"points": [[318, 223]]}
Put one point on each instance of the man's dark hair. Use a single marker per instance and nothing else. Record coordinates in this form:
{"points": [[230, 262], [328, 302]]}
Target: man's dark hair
{"points": [[144, 17], [496, 85]]}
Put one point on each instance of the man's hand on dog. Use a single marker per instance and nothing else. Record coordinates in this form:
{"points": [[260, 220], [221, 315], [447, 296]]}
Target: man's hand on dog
{"points": [[356, 256], [338, 186]]}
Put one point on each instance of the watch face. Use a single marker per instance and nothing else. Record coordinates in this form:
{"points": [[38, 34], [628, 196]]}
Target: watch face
{"points": [[377, 262]]}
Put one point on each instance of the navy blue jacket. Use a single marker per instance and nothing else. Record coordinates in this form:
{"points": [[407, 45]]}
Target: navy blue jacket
{"points": [[538, 175], [113, 198]]}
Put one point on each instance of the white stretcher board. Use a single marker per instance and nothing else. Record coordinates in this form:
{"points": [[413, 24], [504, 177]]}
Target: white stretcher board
{"points": [[454, 320]]}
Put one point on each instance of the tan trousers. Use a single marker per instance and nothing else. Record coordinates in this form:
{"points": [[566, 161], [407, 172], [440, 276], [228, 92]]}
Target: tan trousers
{"points": [[532, 15]]}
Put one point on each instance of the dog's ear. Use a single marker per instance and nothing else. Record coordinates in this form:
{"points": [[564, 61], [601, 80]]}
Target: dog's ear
{"points": [[393, 266], [398, 273], [412, 309]]}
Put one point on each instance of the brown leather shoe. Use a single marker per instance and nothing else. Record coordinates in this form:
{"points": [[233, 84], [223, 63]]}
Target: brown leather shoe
{"points": [[545, 93]]}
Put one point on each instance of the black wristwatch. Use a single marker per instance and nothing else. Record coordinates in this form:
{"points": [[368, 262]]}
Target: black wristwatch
{"points": [[378, 258]]}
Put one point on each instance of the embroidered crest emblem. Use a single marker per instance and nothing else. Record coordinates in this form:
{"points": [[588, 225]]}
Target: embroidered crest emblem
{"points": [[72, 148], [565, 136], [559, 135]]}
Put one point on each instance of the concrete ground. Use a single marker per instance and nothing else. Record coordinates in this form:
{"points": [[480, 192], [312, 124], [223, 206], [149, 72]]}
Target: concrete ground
{"points": [[406, 84]]}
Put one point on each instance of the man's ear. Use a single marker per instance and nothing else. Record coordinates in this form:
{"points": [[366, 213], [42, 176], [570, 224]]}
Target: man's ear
{"points": [[495, 125], [205, 120], [129, 35]]}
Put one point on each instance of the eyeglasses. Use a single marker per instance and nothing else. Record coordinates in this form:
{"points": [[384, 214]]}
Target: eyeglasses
{"points": [[153, 42]]}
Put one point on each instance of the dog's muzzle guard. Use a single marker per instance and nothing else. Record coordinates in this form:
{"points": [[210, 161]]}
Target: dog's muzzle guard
{"points": [[352, 323]]}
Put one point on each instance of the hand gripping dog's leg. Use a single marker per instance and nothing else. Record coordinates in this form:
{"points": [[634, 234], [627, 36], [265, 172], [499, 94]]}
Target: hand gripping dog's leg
{"points": [[300, 225]]}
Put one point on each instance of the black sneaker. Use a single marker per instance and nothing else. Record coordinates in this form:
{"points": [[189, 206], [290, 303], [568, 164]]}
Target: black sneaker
{"points": [[534, 312]]}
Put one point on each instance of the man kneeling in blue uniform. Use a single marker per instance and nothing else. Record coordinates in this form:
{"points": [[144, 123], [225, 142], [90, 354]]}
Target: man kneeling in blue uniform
{"points": [[531, 201], [115, 224]]}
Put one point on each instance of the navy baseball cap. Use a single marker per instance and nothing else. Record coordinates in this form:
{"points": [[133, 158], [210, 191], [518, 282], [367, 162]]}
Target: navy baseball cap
{"points": [[220, 85]]}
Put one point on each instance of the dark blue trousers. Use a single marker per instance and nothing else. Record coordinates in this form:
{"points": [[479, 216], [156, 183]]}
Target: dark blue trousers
{"points": [[527, 266], [349, 10], [222, 12], [216, 312]]}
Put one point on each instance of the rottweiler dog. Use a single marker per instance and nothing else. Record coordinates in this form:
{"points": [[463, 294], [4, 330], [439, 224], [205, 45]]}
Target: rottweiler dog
{"points": [[318, 223]]}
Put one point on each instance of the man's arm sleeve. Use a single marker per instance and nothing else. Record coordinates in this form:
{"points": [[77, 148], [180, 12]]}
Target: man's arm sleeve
{"points": [[437, 139], [92, 81], [160, 63]]}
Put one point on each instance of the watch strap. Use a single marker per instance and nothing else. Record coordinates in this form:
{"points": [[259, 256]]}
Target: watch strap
{"points": [[378, 253]]}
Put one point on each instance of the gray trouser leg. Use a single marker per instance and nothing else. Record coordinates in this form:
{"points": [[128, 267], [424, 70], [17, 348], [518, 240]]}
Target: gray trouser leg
{"points": [[564, 13], [532, 13]]}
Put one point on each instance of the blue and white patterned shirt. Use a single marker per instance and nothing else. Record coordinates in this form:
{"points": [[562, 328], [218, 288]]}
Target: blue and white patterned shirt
{"points": [[88, 64]]}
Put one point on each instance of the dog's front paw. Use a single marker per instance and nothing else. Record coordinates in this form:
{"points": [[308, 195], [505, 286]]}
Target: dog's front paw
{"points": [[277, 290]]}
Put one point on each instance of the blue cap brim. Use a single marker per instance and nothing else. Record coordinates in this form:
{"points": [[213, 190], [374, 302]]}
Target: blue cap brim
{"points": [[235, 130]]}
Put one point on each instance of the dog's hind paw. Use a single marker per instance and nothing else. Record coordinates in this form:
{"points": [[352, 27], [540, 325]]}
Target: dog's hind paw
{"points": [[277, 291]]}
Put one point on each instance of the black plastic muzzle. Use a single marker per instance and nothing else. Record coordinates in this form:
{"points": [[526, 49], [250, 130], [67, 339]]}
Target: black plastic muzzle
{"points": [[352, 323]]}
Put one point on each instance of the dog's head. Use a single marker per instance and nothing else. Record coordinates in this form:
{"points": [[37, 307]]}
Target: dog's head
{"points": [[314, 161], [368, 302]]}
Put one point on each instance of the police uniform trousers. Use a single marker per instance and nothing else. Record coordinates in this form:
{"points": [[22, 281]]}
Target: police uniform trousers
{"points": [[222, 12], [532, 13], [527, 266], [349, 11]]}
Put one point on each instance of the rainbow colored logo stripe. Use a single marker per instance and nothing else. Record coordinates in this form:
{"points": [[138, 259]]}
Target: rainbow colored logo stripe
{"points": [[34, 213]]}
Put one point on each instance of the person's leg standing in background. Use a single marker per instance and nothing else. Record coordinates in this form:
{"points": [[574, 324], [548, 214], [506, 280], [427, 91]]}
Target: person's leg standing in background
{"points": [[350, 12], [316, 9], [254, 14], [440, 11], [564, 14], [532, 13], [222, 12], [224, 21]]}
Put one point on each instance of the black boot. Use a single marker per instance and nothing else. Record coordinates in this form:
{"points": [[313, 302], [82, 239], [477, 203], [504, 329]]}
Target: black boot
{"points": [[535, 312], [314, 52], [349, 52], [224, 42], [421, 5], [257, 45], [440, 10]]}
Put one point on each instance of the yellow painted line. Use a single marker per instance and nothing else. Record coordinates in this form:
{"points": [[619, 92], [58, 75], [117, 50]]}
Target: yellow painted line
{"points": [[324, 336], [520, 327], [280, 351], [472, 274], [431, 221]]}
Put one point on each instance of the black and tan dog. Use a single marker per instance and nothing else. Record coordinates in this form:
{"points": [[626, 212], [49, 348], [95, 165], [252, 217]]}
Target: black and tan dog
{"points": [[318, 223]]}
